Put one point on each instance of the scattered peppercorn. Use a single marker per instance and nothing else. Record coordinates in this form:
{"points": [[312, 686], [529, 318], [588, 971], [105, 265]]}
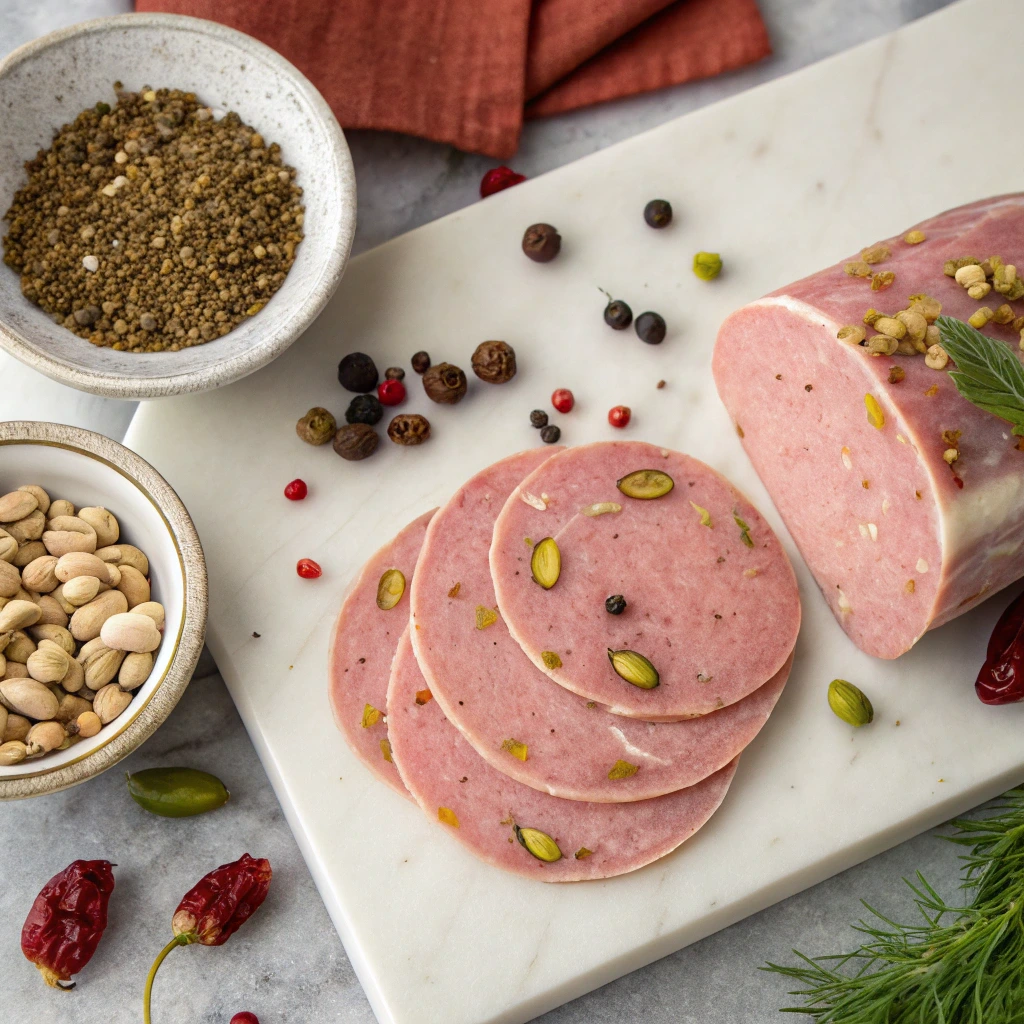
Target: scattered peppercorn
{"points": [[618, 315], [391, 392], [357, 372], [394, 373], [245, 1018], [658, 213], [356, 441], [620, 416], [187, 224], [317, 426], [650, 327], [660, 384], [445, 383], [296, 490], [550, 434], [308, 569], [538, 418], [494, 362], [409, 428], [707, 265], [364, 409], [421, 362], [563, 400], [541, 242], [615, 605], [497, 179]]}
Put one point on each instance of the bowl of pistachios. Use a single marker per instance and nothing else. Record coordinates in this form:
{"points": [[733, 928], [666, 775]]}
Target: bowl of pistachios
{"points": [[103, 602]]}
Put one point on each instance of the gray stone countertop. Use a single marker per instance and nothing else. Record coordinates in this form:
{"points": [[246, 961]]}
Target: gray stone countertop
{"points": [[287, 964]]}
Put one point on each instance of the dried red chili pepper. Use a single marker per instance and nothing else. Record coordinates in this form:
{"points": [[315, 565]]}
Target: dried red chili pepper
{"points": [[214, 909], [67, 920], [1001, 679]]}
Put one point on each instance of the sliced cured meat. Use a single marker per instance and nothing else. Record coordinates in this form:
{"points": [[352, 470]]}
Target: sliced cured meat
{"points": [[711, 599], [362, 648], [898, 540], [480, 806], [509, 711]]}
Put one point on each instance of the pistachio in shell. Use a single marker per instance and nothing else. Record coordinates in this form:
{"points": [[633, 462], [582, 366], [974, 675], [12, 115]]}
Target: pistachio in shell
{"points": [[646, 484], [390, 589], [849, 703], [634, 668], [538, 844], [546, 562]]}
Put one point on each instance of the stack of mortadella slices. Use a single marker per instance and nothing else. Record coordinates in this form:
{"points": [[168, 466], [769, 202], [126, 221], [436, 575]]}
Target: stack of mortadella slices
{"points": [[478, 665]]}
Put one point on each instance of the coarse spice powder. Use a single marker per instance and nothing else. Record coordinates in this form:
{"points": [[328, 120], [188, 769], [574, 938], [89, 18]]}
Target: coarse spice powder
{"points": [[153, 225]]}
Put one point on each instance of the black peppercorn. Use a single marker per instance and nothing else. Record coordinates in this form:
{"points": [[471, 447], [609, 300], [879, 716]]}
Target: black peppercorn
{"points": [[409, 428], [538, 418], [615, 605], [550, 434], [618, 315], [541, 242], [444, 383], [421, 362], [357, 372], [394, 373], [650, 327], [364, 409], [356, 441], [658, 213], [494, 362]]}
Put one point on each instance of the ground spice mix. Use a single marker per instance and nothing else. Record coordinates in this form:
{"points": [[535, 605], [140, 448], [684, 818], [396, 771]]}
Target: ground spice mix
{"points": [[154, 225]]}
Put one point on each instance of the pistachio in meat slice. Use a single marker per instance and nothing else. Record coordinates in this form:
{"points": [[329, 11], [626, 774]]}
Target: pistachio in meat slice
{"points": [[390, 589], [516, 749], [646, 484], [546, 562], [538, 843], [634, 668], [623, 770], [849, 703]]}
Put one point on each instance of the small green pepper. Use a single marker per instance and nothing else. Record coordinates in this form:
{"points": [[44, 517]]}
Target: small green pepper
{"points": [[707, 265], [177, 792]]}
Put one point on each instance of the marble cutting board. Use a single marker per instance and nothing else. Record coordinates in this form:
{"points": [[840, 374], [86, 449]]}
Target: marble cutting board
{"points": [[781, 180]]}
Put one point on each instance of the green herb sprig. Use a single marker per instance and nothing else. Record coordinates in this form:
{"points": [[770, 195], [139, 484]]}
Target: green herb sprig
{"points": [[987, 373], [959, 965]]}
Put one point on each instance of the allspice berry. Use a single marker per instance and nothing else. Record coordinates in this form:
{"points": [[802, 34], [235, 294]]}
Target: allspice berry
{"points": [[317, 426], [356, 441], [445, 383], [409, 428], [494, 362], [542, 243]]}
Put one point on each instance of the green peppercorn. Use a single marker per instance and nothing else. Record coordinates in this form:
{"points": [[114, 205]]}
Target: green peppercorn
{"points": [[615, 605], [707, 265], [618, 315], [650, 327], [658, 213]]}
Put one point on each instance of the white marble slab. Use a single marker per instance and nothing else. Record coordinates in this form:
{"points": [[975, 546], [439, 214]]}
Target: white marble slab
{"points": [[780, 180]]}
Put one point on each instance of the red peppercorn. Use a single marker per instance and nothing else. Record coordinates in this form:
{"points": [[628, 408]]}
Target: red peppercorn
{"points": [[245, 1018], [619, 416], [67, 919], [497, 179], [391, 392], [308, 569], [296, 490], [563, 400]]}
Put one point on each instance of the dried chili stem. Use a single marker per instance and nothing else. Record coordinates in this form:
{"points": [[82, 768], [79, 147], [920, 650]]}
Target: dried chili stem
{"points": [[178, 940]]}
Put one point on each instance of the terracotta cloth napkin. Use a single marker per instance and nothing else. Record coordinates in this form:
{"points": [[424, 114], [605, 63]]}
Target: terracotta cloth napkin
{"points": [[467, 72]]}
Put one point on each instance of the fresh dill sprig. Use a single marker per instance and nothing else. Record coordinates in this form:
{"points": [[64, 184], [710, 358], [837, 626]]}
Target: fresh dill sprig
{"points": [[958, 965]]}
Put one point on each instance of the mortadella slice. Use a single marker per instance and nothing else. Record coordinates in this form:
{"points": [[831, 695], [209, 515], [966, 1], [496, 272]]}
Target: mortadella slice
{"points": [[479, 806], [509, 711], [711, 599], [898, 540], [362, 648]]}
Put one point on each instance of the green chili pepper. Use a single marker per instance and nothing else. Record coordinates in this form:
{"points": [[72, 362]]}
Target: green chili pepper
{"points": [[177, 792]]}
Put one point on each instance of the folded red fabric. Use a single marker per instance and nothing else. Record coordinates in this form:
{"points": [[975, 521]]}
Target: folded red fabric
{"points": [[467, 73]]}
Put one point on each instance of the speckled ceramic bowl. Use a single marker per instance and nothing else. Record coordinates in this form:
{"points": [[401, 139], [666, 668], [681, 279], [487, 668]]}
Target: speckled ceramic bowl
{"points": [[48, 82], [89, 469]]}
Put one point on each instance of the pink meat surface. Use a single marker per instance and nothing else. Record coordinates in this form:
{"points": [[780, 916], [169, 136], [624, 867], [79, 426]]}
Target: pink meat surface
{"points": [[716, 618], [363, 647], [442, 770], [895, 543], [493, 693]]}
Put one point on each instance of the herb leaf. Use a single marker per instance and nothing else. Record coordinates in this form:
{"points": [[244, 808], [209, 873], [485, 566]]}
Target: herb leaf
{"points": [[987, 373]]}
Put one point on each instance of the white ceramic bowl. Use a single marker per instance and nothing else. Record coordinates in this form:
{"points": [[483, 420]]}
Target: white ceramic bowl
{"points": [[45, 84], [89, 469]]}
